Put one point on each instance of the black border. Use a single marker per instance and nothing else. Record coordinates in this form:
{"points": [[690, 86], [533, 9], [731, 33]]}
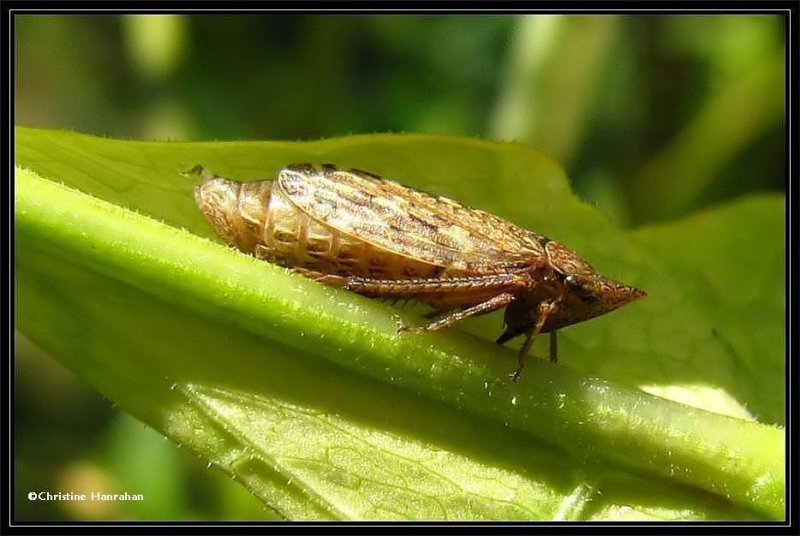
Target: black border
{"points": [[789, 9]]}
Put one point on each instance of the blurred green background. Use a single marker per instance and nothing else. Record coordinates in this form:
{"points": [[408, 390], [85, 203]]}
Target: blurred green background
{"points": [[652, 117]]}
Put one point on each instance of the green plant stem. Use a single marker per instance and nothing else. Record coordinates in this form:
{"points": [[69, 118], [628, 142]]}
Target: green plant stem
{"points": [[592, 419]]}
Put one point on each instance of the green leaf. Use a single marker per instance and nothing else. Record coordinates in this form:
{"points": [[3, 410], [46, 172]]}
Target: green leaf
{"points": [[307, 394]]}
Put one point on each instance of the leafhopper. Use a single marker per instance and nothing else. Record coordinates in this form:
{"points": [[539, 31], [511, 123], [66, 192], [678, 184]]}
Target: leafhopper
{"points": [[375, 237]]}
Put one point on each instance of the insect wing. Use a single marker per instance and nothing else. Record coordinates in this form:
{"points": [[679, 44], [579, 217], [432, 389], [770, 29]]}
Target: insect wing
{"points": [[408, 222]]}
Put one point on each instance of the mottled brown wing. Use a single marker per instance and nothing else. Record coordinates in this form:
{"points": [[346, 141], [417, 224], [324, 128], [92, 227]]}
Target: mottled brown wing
{"points": [[408, 222]]}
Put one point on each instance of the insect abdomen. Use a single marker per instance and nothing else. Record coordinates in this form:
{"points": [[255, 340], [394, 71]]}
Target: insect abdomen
{"points": [[257, 218]]}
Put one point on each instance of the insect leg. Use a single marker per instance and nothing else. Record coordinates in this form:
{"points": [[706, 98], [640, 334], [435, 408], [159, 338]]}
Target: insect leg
{"points": [[543, 311], [321, 277], [418, 288], [553, 347], [492, 304]]}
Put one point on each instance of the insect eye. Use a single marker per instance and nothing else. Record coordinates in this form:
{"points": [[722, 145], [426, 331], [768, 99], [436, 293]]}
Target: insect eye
{"points": [[576, 287]]}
